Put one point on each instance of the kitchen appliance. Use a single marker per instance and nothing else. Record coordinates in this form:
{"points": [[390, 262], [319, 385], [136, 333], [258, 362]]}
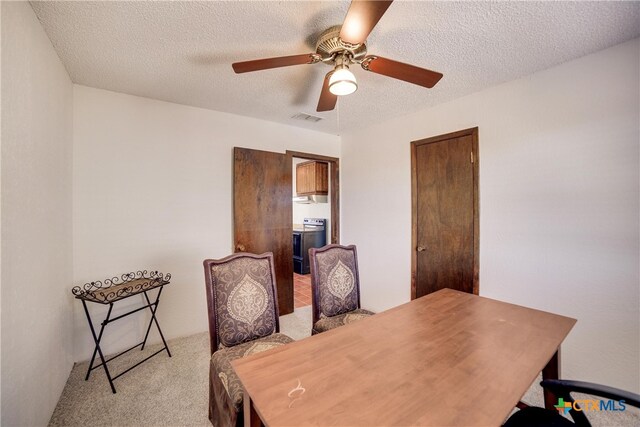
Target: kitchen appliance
{"points": [[316, 198], [313, 234]]}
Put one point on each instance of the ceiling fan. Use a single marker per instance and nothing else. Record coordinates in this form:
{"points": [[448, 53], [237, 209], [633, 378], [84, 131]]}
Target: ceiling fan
{"points": [[342, 46]]}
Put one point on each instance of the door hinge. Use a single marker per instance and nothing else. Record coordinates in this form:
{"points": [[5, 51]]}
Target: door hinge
{"points": [[472, 157]]}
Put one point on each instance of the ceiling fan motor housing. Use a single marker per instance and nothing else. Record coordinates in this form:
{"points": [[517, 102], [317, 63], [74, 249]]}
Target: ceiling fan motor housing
{"points": [[330, 46]]}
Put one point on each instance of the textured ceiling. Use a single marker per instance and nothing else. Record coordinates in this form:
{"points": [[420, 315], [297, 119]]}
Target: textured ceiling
{"points": [[182, 51]]}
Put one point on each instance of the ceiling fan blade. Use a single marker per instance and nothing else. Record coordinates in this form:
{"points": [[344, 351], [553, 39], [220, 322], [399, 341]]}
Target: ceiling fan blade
{"points": [[401, 71], [362, 16], [327, 101], [281, 61]]}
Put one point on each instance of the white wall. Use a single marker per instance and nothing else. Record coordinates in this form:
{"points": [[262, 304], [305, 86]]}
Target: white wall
{"points": [[153, 189], [559, 209], [37, 98]]}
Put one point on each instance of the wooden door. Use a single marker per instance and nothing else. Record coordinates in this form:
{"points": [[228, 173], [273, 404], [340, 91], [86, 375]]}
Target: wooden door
{"points": [[445, 213], [262, 213]]}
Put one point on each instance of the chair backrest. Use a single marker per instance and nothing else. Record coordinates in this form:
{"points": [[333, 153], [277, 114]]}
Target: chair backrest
{"points": [[334, 280], [241, 298]]}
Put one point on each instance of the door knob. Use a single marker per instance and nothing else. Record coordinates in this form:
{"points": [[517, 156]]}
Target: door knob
{"points": [[240, 247], [420, 249]]}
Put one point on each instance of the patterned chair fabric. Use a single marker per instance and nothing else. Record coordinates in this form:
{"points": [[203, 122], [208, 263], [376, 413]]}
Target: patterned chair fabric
{"points": [[243, 294], [243, 320], [336, 287], [221, 360], [328, 323]]}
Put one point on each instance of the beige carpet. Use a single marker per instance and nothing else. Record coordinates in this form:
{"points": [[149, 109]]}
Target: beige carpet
{"points": [[163, 391], [174, 391]]}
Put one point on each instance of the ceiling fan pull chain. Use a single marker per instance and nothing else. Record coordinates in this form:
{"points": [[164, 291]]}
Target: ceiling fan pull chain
{"points": [[338, 116]]}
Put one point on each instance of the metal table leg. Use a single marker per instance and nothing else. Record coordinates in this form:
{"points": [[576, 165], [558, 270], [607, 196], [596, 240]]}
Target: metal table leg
{"points": [[97, 339], [153, 307]]}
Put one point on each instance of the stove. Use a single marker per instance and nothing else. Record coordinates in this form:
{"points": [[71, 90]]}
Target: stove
{"points": [[313, 234]]}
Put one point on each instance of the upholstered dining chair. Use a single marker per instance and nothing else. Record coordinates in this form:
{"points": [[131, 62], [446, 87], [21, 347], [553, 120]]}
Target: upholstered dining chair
{"points": [[335, 287], [243, 319]]}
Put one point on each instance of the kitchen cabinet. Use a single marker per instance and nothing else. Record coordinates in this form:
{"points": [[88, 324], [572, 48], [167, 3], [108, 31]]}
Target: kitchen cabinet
{"points": [[312, 178]]}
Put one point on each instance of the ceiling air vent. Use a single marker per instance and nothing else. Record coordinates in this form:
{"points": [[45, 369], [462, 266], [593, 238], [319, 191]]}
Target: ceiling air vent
{"points": [[306, 117]]}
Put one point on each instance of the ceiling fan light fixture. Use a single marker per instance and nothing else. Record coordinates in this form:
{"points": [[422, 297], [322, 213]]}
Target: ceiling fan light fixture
{"points": [[342, 81]]}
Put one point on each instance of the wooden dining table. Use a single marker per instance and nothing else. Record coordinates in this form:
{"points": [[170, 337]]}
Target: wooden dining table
{"points": [[446, 359]]}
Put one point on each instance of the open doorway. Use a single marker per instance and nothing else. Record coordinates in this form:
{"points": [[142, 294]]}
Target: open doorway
{"points": [[314, 213]]}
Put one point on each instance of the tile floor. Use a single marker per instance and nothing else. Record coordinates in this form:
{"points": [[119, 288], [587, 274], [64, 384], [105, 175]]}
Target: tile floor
{"points": [[301, 290]]}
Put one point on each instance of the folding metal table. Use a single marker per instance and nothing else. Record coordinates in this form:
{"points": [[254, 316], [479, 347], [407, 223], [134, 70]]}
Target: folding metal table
{"points": [[117, 289]]}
